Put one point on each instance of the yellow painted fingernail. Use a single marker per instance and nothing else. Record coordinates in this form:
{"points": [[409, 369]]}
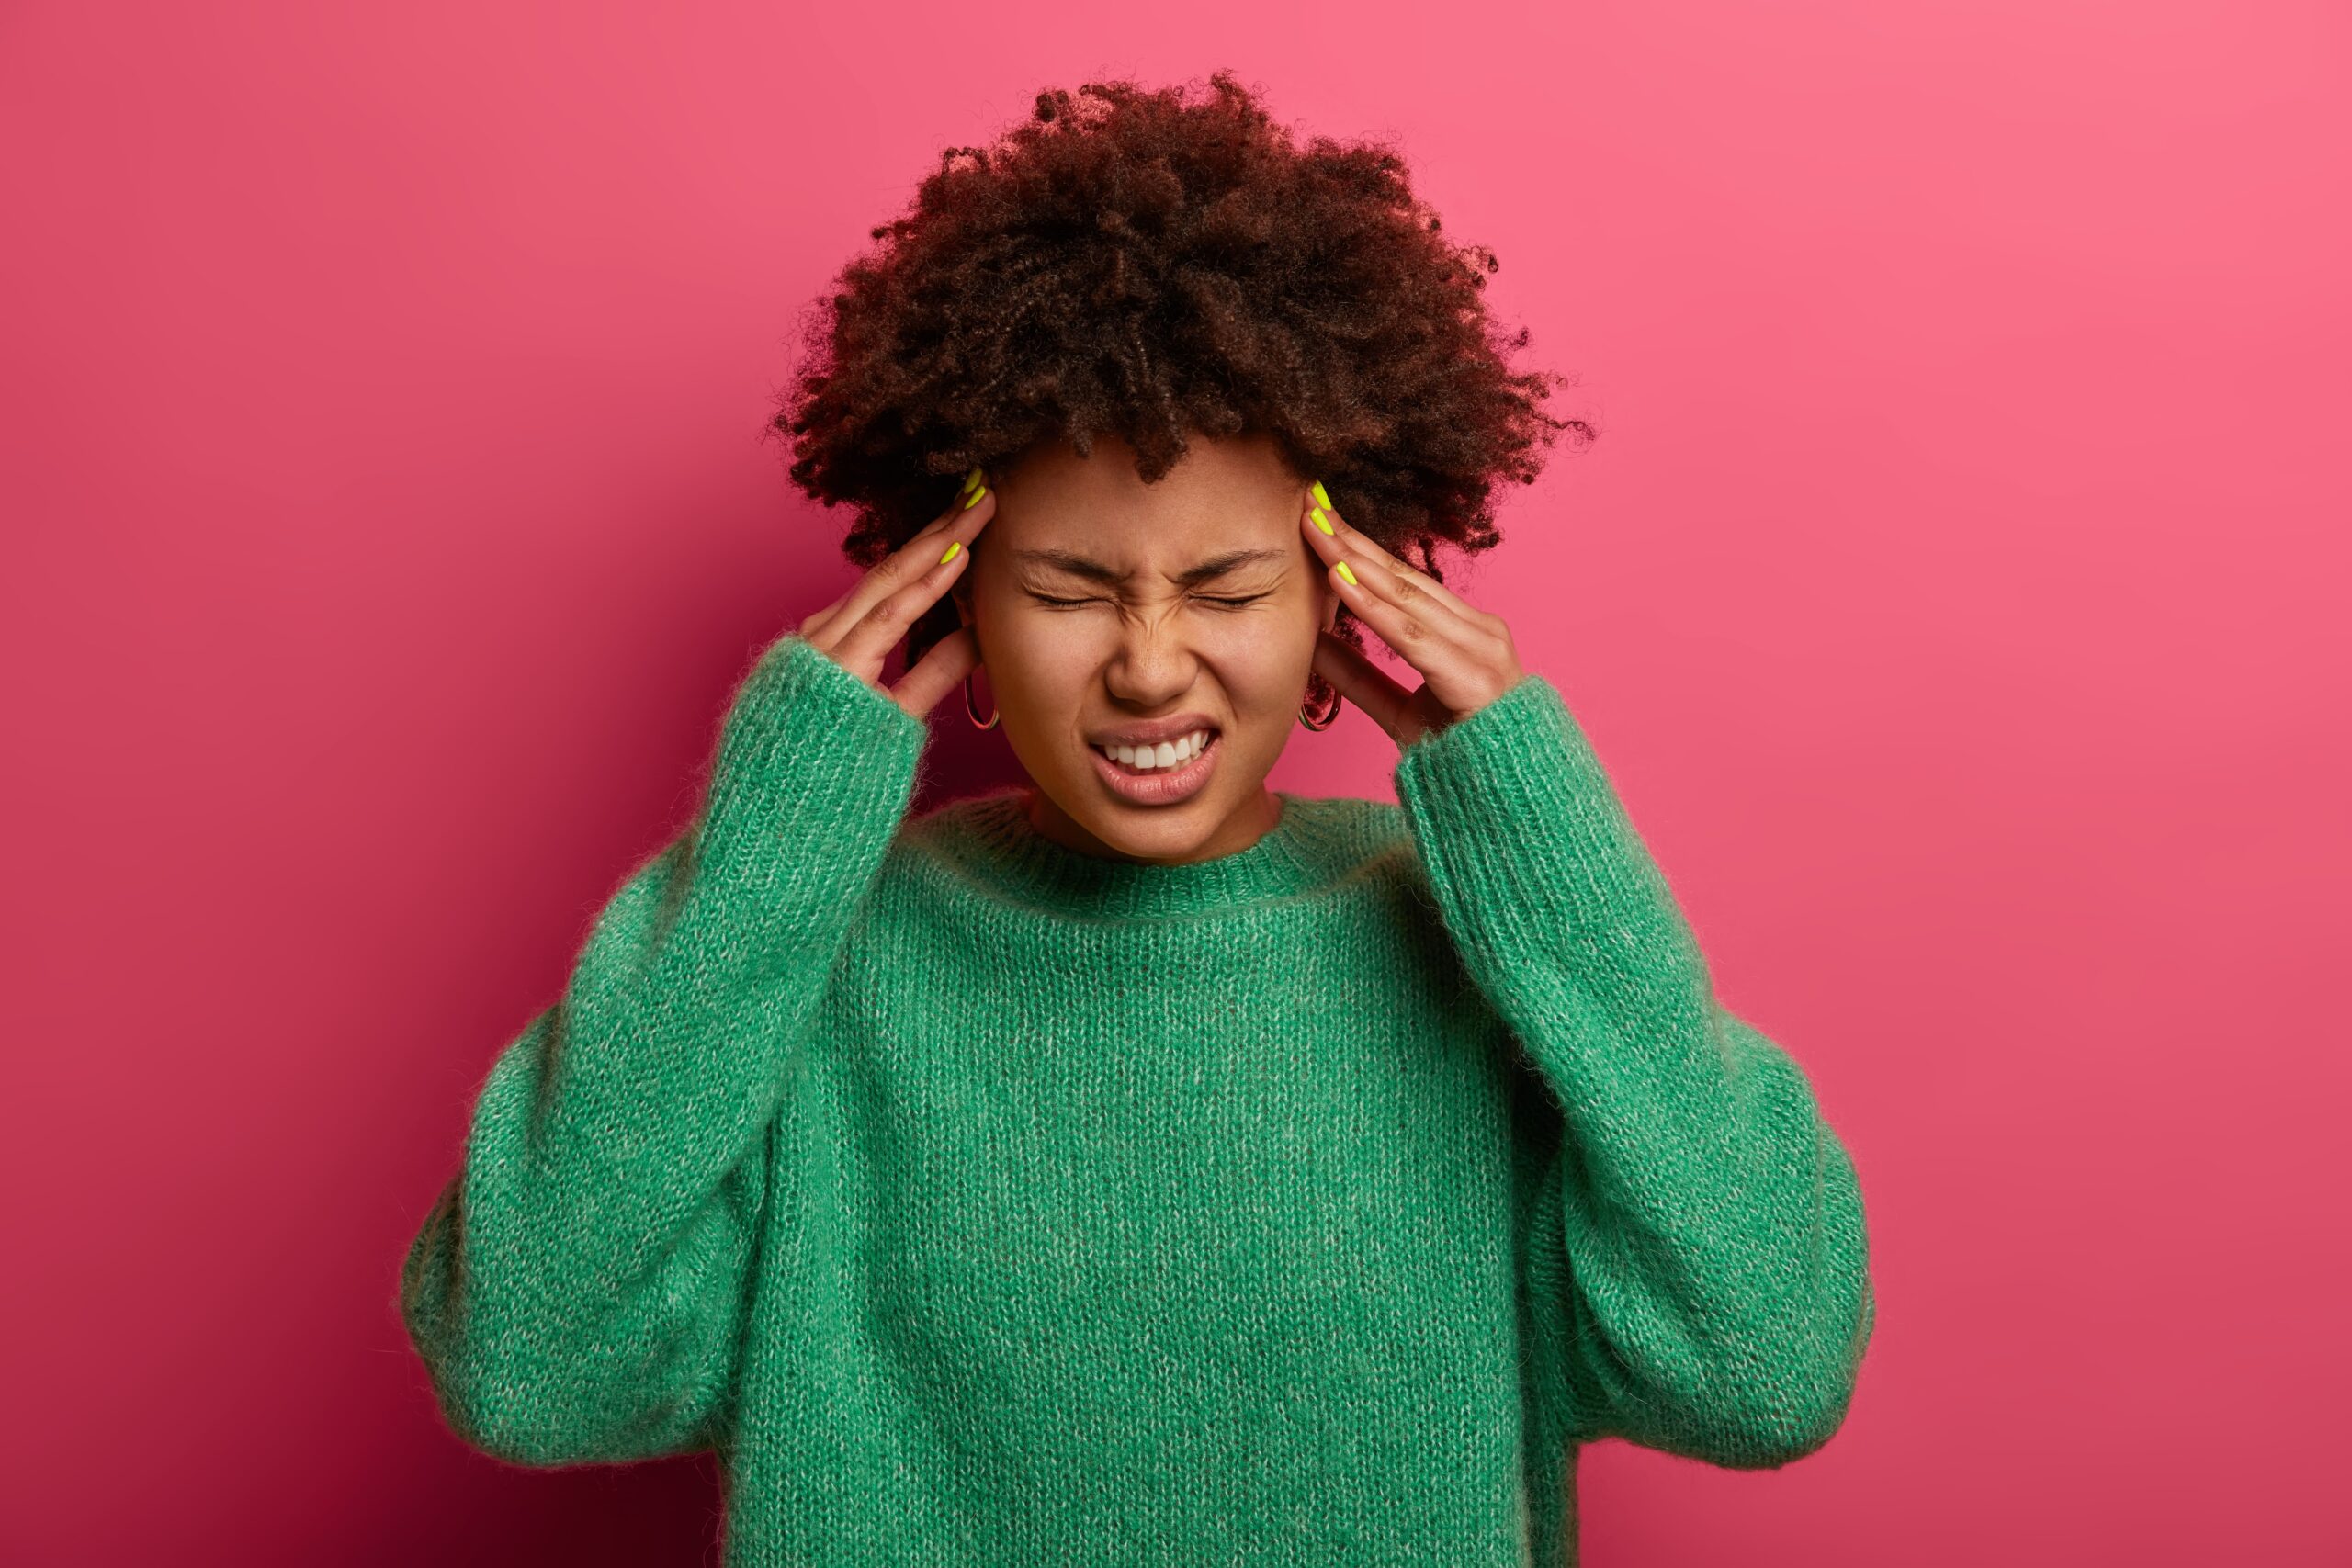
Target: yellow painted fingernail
{"points": [[974, 478], [1347, 574], [1321, 495], [1320, 521], [951, 552], [975, 501]]}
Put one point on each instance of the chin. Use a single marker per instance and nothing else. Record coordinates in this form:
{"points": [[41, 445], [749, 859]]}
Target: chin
{"points": [[1155, 833], [1177, 830]]}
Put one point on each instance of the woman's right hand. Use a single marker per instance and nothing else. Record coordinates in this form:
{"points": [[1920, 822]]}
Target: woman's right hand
{"points": [[858, 630]]}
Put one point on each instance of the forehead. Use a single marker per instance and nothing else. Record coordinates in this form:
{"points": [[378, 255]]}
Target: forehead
{"points": [[1224, 493]]}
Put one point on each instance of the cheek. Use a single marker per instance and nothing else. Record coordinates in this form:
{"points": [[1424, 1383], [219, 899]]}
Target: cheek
{"points": [[1041, 670], [1263, 666]]}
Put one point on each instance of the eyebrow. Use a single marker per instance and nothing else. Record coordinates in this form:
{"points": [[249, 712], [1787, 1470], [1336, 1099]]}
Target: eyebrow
{"points": [[1094, 570]]}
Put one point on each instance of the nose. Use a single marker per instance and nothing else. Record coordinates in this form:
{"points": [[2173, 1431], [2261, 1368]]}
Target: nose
{"points": [[1152, 665]]}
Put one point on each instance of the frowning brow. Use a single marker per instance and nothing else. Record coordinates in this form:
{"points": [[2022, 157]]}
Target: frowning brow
{"points": [[1094, 570]]}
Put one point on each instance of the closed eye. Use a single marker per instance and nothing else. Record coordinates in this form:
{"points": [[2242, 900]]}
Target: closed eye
{"points": [[1223, 603]]}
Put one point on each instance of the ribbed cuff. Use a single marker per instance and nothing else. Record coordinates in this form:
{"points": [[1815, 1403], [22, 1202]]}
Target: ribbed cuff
{"points": [[814, 769], [1520, 829]]}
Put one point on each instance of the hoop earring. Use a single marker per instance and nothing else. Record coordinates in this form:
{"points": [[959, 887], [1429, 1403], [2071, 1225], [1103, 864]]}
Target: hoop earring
{"points": [[1338, 702], [972, 712]]}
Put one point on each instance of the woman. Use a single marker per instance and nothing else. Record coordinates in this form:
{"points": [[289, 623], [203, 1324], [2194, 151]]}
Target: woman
{"points": [[1146, 1166]]}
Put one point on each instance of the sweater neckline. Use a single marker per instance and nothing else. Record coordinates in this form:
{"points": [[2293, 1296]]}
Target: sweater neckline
{"points": [[1008, 852]]}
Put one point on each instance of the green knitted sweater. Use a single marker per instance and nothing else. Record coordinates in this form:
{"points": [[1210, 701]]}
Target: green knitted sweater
{"points": [[983, 1203]]}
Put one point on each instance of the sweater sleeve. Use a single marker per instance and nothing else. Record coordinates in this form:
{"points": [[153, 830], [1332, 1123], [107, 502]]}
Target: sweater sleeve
{"points": [[1699, 1268], [578, 1289]]}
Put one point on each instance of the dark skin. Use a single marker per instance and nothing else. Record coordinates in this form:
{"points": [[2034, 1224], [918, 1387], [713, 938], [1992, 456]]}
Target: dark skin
{"points": [[1099, 600]]}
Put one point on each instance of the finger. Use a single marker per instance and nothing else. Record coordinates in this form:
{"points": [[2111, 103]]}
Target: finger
{"points": [[1448, 650], [890, 569], [939, 671], [974, 504], [1333, 538], [1361, 682], [862, 647]]}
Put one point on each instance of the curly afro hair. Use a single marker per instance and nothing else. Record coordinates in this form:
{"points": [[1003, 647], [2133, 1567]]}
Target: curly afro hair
{"points": [[1134, 262]]}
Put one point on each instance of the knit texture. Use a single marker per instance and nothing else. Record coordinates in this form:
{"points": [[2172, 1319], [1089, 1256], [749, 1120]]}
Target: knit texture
{"points": [[983, 1203]]}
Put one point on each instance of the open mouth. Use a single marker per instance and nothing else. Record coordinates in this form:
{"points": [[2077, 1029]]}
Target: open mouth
{"points": [[1161, 774]]}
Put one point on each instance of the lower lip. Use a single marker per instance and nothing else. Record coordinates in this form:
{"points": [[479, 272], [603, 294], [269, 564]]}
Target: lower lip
{"points": [[1161, 786]]}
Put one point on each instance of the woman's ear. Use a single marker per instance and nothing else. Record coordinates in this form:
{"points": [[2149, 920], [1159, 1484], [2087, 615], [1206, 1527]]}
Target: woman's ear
{"points": [[1330, 597]]}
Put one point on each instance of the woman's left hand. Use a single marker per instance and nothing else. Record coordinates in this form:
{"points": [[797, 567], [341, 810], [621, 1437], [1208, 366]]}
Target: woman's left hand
{"points": [[1464, 655]]}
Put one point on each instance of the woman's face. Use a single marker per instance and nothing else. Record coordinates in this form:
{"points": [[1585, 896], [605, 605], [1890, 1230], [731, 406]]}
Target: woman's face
{"points": [[1111, 612]]}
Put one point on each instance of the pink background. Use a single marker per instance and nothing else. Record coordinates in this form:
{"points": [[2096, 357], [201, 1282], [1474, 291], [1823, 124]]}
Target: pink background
{"points": [[1956, 592]]}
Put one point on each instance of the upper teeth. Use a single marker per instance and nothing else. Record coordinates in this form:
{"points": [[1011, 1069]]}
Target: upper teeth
{"points": [[1167, 754]]}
